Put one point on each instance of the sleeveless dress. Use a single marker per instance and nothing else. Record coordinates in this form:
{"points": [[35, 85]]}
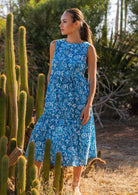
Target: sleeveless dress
{"points": [[66, 96]]}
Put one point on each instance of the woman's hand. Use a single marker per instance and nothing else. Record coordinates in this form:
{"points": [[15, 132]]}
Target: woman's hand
{"points": [[85, 114]]}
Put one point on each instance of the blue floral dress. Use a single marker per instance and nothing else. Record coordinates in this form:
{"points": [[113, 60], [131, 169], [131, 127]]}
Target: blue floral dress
{"points": [[66, 96]]}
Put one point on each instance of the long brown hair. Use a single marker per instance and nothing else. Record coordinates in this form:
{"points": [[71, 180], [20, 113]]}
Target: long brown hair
{"points": [[85, 31]]}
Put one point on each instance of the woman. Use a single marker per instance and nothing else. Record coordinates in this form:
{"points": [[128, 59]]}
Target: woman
{"points": [[68, 117]]}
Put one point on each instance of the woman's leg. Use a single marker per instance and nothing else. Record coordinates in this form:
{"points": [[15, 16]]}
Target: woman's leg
{"points": [[38, 164], [76, 176]]}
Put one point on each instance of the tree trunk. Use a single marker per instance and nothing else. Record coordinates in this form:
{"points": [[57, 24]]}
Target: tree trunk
{"points": [[121, 18], [117, 19]]}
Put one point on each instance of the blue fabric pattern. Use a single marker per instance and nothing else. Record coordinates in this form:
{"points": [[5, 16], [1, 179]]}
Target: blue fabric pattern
{"points": [[66, 96]]}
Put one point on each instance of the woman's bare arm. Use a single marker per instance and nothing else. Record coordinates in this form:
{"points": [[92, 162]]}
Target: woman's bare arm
{"points": [[52, 50], [92, 68]]}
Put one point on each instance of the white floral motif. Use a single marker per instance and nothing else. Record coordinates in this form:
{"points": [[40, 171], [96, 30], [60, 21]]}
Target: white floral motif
{"points": [[66, 96]]}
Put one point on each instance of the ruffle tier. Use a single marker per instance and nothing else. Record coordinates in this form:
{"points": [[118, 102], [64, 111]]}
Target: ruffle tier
{"points": [[75, 141]]}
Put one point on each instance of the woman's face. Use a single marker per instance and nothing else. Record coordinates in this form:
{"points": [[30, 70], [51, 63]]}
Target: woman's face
{"points": [[66, 25]]}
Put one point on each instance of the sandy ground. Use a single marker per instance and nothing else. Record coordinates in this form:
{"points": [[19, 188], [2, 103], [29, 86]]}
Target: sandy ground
{"points": [[118, 142]]}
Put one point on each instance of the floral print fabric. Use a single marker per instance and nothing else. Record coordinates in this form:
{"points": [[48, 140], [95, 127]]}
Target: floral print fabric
{"points": [[66, 96]]}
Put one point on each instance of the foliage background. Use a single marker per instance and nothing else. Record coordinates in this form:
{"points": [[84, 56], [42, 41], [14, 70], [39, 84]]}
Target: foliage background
{"points": [[117, 62]]}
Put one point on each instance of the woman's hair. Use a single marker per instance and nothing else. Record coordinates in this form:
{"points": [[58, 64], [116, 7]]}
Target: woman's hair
{"points": [[85, 32]]}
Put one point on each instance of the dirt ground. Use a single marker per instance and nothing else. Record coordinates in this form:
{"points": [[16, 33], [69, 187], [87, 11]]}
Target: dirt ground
{"points": [[118, 143]]}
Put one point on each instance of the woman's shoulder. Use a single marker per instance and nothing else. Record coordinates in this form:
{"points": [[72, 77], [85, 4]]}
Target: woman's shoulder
{"points": [[54, 41]]}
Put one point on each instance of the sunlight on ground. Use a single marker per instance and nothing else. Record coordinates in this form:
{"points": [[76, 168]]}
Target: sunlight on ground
{"points": [[105, 181]]}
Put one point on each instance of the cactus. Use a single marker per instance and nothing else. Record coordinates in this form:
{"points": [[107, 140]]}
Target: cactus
{"points": [[57, 172], [16, 182], [7, 133], [36, 184], [46, 162], [8, 111], [3, 79], [99, 154], [11, 77], [3, 106], [33, 173], [18, 79], [61, 181], [29, 111], [28, 134], [30, 163], [3, 147], [4, 175], [23, 59], [40, 96], [21, 124], [12, 147], [21, 175], [3, 151], [34, 191], [2, 112]]}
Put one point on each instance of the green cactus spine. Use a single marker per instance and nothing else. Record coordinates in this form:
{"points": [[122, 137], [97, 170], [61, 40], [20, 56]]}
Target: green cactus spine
{"points": [[57, 174], [46, 162], [40, 96], [4, 175], [34, 191], [11, 77], [30, 162], [2, 112], [21, 175], [36, 184], [18, 78], [30, 104], [23, 59], [21, 124]]}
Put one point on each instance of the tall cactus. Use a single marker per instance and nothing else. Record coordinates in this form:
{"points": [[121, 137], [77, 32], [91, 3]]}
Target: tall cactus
{"points": [[3, 150], [21, 124], [21, 175], [18, 78], [4, 175], [29, 110], [3, 105], [7, 133], [12, 146], [23, 59], [61, 181], [30, 162], [57, 174], [34, 191], [40, 95], [3, 147], [11, 77], [3, 79], [36, 184], [33, 173], [2, 112], [46, 162]]}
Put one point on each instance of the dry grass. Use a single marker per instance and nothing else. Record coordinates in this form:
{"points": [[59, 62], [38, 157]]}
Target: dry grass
{"points": [[118, 143], [104, 181]]}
